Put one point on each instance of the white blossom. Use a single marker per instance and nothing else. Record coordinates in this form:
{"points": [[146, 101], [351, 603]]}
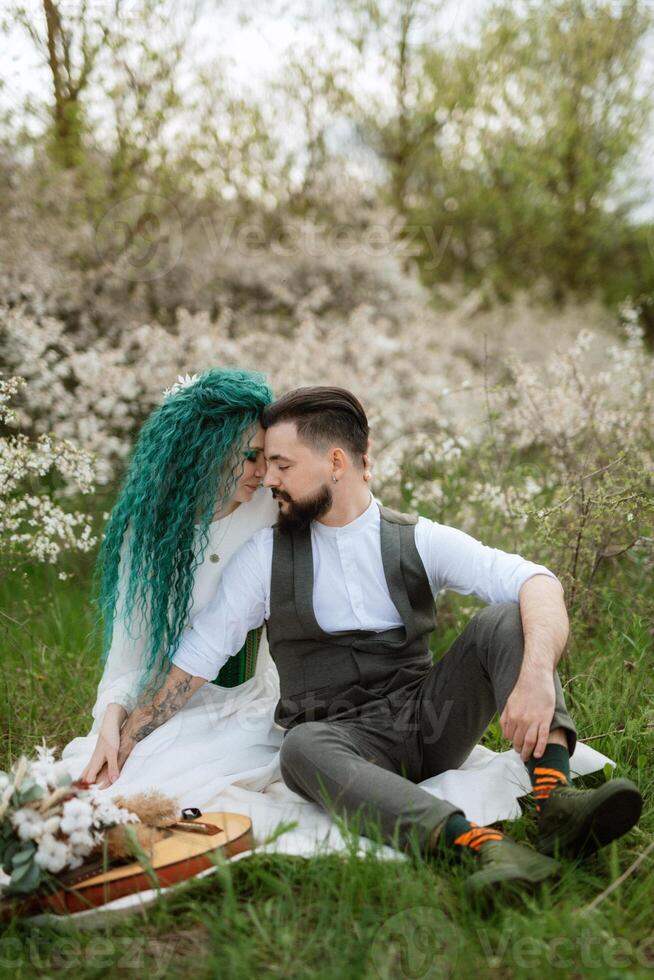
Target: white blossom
{"points": [[77, 815], [52, 855], [28, 823], [42, 770], [106, 813], [34, 524], [52, 824], [420, 374], [81, 842], [183, 381]]}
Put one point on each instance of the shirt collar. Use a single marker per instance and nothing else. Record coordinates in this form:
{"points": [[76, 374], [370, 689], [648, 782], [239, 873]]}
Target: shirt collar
{"points": [[370, 517]]}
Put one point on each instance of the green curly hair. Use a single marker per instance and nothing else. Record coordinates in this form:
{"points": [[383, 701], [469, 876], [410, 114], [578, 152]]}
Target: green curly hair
{"points": [[188, 458]]}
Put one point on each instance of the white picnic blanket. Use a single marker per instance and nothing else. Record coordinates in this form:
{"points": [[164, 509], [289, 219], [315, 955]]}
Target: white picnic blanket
{"points": [[237, 769]]}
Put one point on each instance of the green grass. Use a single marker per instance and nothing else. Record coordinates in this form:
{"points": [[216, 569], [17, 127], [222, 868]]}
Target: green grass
{"points": [[335, 916]]}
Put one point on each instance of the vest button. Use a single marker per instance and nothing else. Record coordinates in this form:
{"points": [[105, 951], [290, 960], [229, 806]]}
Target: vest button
{"points": [[214, 558]]}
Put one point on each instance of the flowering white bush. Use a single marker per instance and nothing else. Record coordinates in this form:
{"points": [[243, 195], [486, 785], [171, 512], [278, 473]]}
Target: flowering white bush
{"points": [[564, 467], [98, 396], [468, 422], [98, 351], [47, 823], [33, 525]]}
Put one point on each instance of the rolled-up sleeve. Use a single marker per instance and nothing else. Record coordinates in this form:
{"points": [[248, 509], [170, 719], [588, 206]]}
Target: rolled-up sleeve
{"points": [[457, 561], [220, 628]]}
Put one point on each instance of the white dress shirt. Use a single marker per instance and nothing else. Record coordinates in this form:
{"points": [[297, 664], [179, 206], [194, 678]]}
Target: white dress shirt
{"points": [[349, 585]]}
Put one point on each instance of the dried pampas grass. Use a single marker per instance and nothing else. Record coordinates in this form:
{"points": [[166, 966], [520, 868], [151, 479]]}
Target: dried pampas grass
{"points": [[152, 808], [155, 810]]}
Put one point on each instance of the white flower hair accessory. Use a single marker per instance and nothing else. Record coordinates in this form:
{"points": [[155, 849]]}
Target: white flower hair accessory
{"points": [[183, 381]]}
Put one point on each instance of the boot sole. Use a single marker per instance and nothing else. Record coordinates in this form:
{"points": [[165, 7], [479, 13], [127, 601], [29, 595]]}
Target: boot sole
{"points": [[617, 806]]}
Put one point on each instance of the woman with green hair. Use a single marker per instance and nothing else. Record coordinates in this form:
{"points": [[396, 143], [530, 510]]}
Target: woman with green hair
{"points": [[192, 495]]}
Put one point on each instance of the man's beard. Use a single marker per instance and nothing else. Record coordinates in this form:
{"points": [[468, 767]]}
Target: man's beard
{"points": [[300, 513]]}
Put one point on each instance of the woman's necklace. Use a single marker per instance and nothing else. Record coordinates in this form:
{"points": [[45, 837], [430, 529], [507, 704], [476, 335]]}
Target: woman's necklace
{"points": [[214, 555]]}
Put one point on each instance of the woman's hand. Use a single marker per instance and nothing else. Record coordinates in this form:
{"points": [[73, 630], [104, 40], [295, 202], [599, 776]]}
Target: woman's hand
{"points": [[102, 767]]}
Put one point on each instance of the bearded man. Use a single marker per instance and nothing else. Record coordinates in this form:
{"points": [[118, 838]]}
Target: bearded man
{"points": [[346, 588]]}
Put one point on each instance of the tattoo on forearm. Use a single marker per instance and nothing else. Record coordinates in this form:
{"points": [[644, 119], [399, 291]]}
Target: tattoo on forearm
{"points": [[170, 703]]}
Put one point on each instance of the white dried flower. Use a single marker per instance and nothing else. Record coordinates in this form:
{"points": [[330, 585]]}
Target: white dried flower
{"points": [[51, 825], [28, 823], [105, 812], [7, 794], [183, 381], [52, 855], [81, 843], [77, 815], [42, 770]]}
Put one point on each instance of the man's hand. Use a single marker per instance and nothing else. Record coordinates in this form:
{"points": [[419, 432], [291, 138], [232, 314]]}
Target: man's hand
{"points": [[529, 709], [173, 695], [528, 713]]}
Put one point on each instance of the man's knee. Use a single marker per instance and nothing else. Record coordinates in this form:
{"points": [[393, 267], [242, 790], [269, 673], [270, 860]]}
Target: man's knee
{"points": [[498, 634], [300, 743], [302, 756], [501, 620]]}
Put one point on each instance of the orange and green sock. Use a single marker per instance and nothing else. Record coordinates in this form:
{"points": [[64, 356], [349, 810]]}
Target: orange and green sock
{"points": [[461, 833], [548, 772], [551, 770]]}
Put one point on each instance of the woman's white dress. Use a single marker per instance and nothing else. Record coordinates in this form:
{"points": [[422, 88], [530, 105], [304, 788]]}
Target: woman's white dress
{"points": [[221, 751]]}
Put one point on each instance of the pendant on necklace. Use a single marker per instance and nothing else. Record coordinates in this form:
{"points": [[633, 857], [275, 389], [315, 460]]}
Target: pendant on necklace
{"points": [[214, 558]]}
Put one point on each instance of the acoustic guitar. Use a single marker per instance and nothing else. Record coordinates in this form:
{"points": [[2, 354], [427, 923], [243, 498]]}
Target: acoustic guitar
{"points": [[185, 850]]}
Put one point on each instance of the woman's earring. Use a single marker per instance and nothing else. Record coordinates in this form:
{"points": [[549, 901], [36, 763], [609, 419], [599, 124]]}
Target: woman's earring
{"points": [[334, 480]]}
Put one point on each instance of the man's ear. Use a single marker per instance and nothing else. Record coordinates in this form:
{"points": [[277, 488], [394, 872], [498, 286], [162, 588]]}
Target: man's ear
{"points": [[339, 463]]}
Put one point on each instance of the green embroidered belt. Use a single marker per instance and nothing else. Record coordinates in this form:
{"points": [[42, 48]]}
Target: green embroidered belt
{"points": [[241, 666]]}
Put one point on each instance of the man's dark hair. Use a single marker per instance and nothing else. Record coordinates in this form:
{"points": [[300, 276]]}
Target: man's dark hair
{"points": [[323, 416]]}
